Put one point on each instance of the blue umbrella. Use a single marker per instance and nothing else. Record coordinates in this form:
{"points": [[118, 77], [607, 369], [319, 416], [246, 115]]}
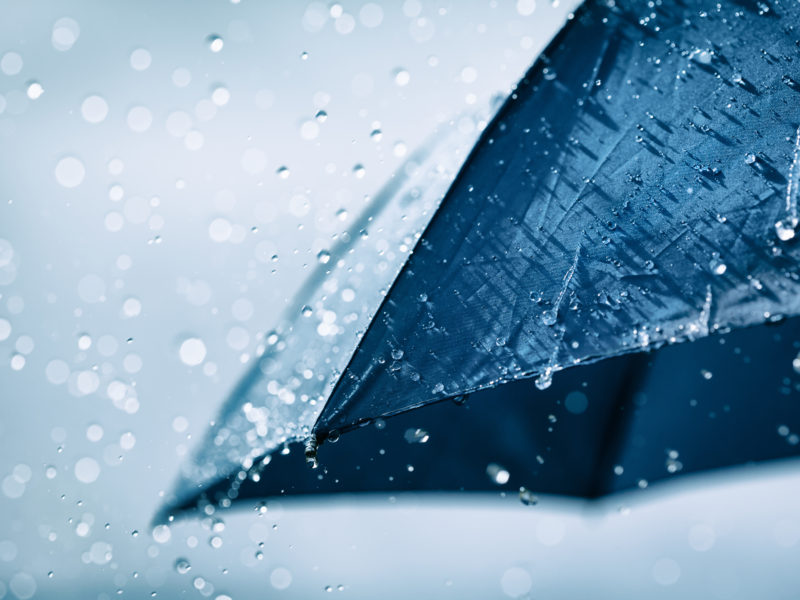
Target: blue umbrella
{"points": [[638, 189]]}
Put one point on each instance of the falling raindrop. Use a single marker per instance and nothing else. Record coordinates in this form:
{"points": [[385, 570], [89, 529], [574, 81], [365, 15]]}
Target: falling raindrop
{"points": [[215, 43], [497, 474], [34, 90]]}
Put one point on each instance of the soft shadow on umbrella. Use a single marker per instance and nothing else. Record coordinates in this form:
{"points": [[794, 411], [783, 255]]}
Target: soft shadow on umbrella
{"points": [[637, 189]]}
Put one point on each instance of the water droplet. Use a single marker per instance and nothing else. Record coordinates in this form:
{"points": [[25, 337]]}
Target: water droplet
{"points": [[545, 380], [140, 59], [324, 257], [220, 95], [162, 534], [215, 43], [70, 172], [139, 119], [321, 116], [549, 317], [359, 171], [311, 452], [11, 63], [192, 351], [416, 436], [283, 172], [527, 497], [376, 135], [34, 90], [401, 77], [497, 474], [526, 7], [702, 56], [65, 33], [786, 229], [87, 470], [182, 566], [94, 109], [717, 266]]}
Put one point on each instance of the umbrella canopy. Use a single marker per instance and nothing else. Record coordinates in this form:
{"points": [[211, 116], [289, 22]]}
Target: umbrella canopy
{"points": [[637, 189]]}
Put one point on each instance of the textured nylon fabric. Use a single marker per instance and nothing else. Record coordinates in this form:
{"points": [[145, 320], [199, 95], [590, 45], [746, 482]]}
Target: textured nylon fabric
{"points": [[626, 196]]}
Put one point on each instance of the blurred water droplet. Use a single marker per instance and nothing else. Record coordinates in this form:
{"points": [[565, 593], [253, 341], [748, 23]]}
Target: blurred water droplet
{"points": [[162, 534], [94, 109], [416, 436], [401, 77], [359, 171], [192, 351], [70, 172], [527, 497], [497, 474], [283, 172], [65, 33], [220, 95], [140, 59]]}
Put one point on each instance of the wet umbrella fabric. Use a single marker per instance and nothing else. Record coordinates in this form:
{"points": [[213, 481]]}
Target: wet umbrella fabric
{"points": [[625, 197], [612, 425]]}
